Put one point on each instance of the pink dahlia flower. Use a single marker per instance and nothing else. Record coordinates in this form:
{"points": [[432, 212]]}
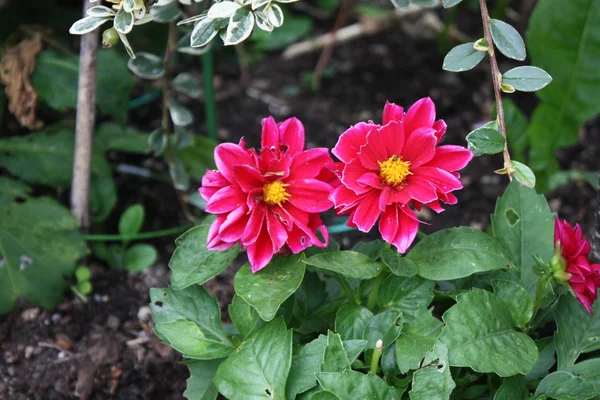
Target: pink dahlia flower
{"points": [[573, 249], [268, 201], [387, 168]]}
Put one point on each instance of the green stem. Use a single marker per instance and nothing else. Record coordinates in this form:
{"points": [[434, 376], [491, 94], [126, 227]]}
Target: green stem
{"points": [[210, 103], [350, 293], [376, 356], [539, 293], [138, 236], [372, 299]]}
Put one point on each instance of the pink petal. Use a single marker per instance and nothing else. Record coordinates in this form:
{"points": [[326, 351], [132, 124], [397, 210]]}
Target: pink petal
{"points": [[297, 240], [392, 112], [277, 232], [255, 222], [234, 225], [352, 172], [440, 129], [419, 115], [309, 163], [227, 155], [408, 226], [392, 135], [420, 189], [261, 251], [350, 141], [373, 151], [316, 224], [225, 200], [450, 158], [371, 180], [274, 163], [213, 241], [435, 206], [248, 177], [444, 181], [310, 195], [344, 198], [270, 134], [367, 212], [388, 224], [291, 134], [419, 147], [448, 198], [212, 181]]}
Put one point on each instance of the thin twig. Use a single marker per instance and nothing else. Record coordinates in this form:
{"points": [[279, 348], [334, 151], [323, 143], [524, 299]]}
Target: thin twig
{"points": [[86, 117], [496, 78]]}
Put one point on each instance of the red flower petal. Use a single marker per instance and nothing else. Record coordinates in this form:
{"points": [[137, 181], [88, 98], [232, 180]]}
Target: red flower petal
{"points": [[373, 151], [291, 134], [225, 200], [269, 137], [419, 115], [350, 141], [227, 155], [248, 177], [393, 137], [444, 181], [254, 224], [367, 212], [277, 232], [234, 225], [419, 147], [352, 172], [392, 112], [420, 189], [261, 251], [408, 225], [450, 158], [309, 163], [310, 195]]}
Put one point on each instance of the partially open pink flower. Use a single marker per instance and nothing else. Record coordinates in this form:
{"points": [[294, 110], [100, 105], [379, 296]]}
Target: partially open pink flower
{"points": [[268, 201], [574, 266], [387, 168]]}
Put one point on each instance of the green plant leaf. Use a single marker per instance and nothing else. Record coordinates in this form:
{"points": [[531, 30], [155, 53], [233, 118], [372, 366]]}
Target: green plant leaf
{"points": [[462, 58], [240, 26], [563, 385], [385, 326], [40, 244], [523, 223], [123, 21], [204, 32], [411, 295], [577, 332], [457, 252], [139, 257], [416, 340], [192, 263], [180, 114], [588, 370], [146, 66], [87, 24], [324, 395], [479, 335], [165, 13], [546, 360], [516, 130], [111, 136], [131, 220], [523, 174], [351, 320], [485, 141], [260, 366], [190, 321], [517, 300], [398, 264], [187, 84], [198, 157], [200, 384], [370, 249], [310, 297], [268, 288], [450, 3], [527, 78], [512, 388], [433, 382], [244, 316], [508, 40], [335, 358], [304, 366], [354, 385], [347, 263]]}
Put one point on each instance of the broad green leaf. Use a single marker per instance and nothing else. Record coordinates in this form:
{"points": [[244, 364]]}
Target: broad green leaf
{"points": [[188, 84], [192, 263], [398, 264], [100, 11], [335, 358], [347, 263], [139, 257], [204, 32], [385, 326], [450, 3], [411, 295], [563, 385], [87, 24], [355, 385], [517, 300], [110, 136], [180, 114], [12, 189], [462, 58], [190, 320], [274, 15], [131, 220], [546, 360], [200, 384], [370, 249], [526, 78], [39, 246], [434, 381], [516, 129], [457, 252], [146, 66], [508, 40], [588, 370], [310, 297], [123, 21], [350, 321], [260, 366], [354, 348], [479, 335], [244, 316], [223, 9], [240, 26], [416, 340], [576, 331], [304, 366], [512, 388], [485, 141], [523, 223], [324, 395], [268, 288], [198, 157], [166, 13]]}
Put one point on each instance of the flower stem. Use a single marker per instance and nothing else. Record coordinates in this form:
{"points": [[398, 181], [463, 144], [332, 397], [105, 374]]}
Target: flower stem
{"points": [[539, 293], [496, 78], [350, 293], [372, 299], [138, 236], [376, 356]]}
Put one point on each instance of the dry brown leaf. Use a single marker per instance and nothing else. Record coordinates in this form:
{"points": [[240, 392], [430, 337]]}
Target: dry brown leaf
{"points": [[17, 65]]}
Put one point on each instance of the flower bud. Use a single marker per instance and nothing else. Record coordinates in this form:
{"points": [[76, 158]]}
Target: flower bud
{"points": [[110, 37], [558, 265]]}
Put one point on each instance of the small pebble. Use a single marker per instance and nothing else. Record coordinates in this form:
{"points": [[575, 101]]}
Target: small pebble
{"points": [[113, 322], [144, 314], [30, 314]]}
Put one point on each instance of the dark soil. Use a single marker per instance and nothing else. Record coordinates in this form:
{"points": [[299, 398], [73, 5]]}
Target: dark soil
{"points": [[105, 348]]}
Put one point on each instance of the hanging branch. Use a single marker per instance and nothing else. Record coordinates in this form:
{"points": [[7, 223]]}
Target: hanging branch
{"points": [[84, 128]]}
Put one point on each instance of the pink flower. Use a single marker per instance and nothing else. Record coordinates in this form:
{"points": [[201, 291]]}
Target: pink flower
{"points": [[269, 201], [574, 266], [386, 168]]}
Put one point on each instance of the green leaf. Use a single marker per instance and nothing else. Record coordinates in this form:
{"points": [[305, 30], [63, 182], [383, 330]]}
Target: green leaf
{"points": [[223, 9], [563, 385], [577, 332], [462, 58], [457, 252], [274, 15], [198, 157], [479, 335], [204, 32], [310, 297], [385, 326], [416, 340], [139, 257], [131, 220], [40, 244], [240, 26], [200, 384], [12, 189], [192, 263], [335, 358], [516, 129], [398, 264], [523, 223], [110, 136], [433, 382], [190, 321], [508, 40], [268, 288], [123, 21], [347, 263], [324, 395], [527, 79], [351, 320], [485, 141], [370, 249], [354, 385], [244, 316], [546, 360], [187, 84], [146, 66], [411, 295], [517, 300], [304, 366], [87, 24], [260, 366], [450, 3], [180, 114], [512, 388], [588, 370], [166, 13]]}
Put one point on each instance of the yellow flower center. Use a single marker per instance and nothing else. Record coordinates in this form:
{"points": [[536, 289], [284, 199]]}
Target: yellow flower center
{"points": [[394, 171], [274, 193]]}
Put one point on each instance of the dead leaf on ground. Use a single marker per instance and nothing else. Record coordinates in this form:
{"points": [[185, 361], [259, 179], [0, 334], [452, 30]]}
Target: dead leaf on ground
{"points": [[17, 65]]}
